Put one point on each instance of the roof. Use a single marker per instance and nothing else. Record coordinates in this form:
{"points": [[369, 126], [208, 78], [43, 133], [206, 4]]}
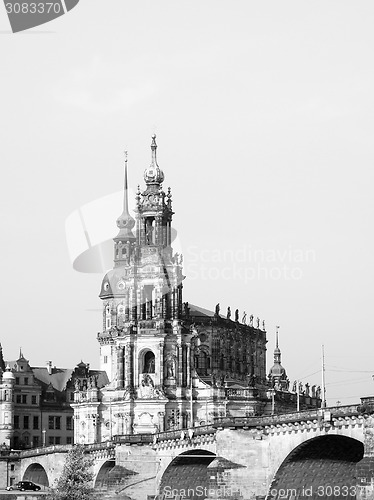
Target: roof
{"points": [[200, 311], [58, 378]]}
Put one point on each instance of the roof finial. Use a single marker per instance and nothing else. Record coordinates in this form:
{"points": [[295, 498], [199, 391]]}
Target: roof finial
{"points": [[126, 191], [125, 222], [154, 149], [276, 338]]}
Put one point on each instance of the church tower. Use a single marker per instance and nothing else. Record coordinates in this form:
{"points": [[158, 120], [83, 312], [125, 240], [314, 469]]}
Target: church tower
{"points": [[142, 347], [6, 401], [277, 375]]}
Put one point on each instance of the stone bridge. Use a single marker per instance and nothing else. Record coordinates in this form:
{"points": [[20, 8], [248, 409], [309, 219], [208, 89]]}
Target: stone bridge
{"points": [[44, 465], [318, 454]]}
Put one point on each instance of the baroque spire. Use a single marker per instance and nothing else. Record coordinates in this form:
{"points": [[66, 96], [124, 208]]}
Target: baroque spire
{"points": [[277, 351], [2, 363], [125, 222]]}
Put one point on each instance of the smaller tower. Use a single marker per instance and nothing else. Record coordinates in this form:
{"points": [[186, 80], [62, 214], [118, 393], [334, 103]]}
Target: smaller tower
{"points": [[125, 237], [6, 404], [277, 375]]}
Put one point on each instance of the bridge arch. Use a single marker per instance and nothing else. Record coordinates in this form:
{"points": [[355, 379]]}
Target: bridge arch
{"points": [[187, 475], [37, 474], [317, 466], [102, 477]]}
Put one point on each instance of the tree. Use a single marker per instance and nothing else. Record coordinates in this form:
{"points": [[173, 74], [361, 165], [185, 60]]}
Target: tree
{"points": [[75, 482]]}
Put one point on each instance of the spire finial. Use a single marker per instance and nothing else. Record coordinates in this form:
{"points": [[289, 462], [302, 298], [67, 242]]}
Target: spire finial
{"points": [[276, 337], [125, 197], [125, 222], [154, 148]]}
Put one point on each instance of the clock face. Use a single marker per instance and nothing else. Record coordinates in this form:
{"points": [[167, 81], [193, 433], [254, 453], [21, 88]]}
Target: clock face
{"points": [[151, 198], [121, 285]]}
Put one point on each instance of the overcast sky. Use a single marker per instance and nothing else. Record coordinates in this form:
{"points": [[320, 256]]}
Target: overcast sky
{"points": [[264, 119]]}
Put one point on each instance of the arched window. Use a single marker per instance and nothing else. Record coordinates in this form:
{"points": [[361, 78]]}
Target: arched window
{"points": [[149, 362], [149, 231]]}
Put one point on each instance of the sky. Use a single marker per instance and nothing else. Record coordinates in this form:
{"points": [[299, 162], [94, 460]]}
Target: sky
{"points": [[264, 116]]}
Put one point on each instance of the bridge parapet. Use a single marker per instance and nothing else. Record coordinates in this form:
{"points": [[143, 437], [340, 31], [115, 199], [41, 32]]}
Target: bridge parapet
{"points": [[325, 414], [47, 450], [204, 435], [9, 454], [99, 446], [178, 434]]}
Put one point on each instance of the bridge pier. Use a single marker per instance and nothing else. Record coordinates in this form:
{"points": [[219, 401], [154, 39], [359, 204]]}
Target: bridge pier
{"points": [[365, 468], [140, 465]]}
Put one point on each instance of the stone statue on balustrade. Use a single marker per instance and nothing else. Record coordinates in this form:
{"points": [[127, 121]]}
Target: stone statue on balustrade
{"points": [[186, 310]]}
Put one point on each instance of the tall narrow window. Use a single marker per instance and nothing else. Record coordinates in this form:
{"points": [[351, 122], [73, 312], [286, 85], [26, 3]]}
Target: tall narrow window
{"points": [[149, 362], [69, 423], [108, 318]]}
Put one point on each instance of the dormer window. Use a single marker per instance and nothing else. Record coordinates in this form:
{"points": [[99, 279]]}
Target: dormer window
{"points": [[50, 396]]}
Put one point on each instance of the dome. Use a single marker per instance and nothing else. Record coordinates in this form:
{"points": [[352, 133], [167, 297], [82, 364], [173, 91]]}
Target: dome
{"points": [[113, 283], [277, 370], [8, 374]]}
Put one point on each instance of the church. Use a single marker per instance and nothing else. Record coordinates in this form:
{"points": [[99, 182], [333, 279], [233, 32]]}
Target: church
{"points": [[170, 364]]}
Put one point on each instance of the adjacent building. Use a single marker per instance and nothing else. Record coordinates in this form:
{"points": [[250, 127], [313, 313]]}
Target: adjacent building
{"points": [[35, 402]]}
